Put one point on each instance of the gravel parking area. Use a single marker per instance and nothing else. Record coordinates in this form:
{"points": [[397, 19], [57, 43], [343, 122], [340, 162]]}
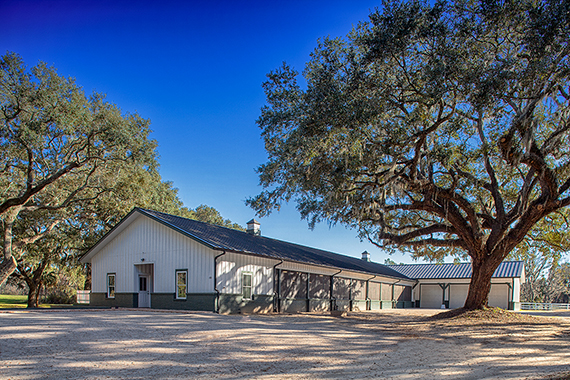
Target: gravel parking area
{"points": [[391, 344]]}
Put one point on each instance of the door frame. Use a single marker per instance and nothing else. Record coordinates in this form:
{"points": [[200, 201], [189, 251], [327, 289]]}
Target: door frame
{"points": [[141, 293], [144, 269]]}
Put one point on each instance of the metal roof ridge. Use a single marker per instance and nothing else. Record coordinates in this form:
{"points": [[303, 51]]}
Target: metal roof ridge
{"points": [[193, 220], [150, 213], [256, 237]]}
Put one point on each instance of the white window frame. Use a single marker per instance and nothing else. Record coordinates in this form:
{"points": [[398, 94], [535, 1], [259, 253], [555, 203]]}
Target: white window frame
{"points": [[111, 289], [178, 285], [244, 286]]}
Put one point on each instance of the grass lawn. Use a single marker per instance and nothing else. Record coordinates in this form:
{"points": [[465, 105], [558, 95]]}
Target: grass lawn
{"points": [[8, 301]]}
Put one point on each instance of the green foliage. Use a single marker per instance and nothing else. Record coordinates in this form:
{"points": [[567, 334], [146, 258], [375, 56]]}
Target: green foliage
{"points": [[412, 104], [435, 129], [63, 288], [72, 167], [543, 250], [58, 147], [210, 215]]}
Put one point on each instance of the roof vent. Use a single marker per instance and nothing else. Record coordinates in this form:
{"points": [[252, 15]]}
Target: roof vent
{"points": [[253, 227], [365, 256]]}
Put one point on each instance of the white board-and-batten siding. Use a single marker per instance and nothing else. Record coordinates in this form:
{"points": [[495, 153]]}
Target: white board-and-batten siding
{"points": [[165, 248], [231, 266]]}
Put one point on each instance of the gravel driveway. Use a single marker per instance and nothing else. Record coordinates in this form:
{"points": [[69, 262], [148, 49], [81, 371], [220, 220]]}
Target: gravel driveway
{"points": [[391, 344]]}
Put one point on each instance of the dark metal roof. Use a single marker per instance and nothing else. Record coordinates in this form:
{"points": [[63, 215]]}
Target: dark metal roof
{"points": [[222, 238], [506, 269]]}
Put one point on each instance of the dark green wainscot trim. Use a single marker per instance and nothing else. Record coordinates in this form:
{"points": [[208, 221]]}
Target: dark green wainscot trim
{"points": [[293, 305], [359, 305], [375, 305], [404, 304], [385, 304], [343, 305], [319, 304], [193, 301], [120, 300], [234, 304]]}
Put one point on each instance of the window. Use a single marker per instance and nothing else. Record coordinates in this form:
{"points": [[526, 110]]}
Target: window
{"points": [[246, 286], [181, 284], [143, 283], [110, 285]]}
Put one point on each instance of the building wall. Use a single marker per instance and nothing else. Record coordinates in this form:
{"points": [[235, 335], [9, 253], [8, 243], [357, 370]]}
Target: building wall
{"points": [[319, 292], [231, 266], [197, 302], [499, 296], [144, 246], [458, 295], [503, 292], [516, 290], [431, 296], [146, 241], [386, 292], [349, 288]]}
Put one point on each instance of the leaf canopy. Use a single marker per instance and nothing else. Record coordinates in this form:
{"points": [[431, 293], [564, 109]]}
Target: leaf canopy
{"points": [[438, 129]]}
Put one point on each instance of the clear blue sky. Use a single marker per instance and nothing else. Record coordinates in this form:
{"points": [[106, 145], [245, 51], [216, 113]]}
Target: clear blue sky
{"points": [[194, 69]]}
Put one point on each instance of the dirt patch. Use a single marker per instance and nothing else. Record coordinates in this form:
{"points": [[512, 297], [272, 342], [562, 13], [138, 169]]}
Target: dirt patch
{"points": [[390, 344], [487, 315]]}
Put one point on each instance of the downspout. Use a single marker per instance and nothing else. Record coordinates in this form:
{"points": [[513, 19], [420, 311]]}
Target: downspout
{"points": [[277, 295], [307, 289], [217, 307], [333, 299], [368, 300]]}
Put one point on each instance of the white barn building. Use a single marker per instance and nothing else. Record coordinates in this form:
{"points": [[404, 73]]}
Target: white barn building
{"points": [[152, 259]]}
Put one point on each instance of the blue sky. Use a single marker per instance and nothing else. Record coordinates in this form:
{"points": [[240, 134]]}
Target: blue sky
{"points": [[195, 70]]}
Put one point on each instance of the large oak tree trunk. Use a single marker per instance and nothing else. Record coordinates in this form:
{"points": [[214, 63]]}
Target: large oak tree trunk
{"points": [[480, 286], [33, 294], [9, 264], [7, 267]]}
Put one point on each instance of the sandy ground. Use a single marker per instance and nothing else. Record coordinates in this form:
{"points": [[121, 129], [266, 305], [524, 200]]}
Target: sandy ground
{"points": [[391, 344]]}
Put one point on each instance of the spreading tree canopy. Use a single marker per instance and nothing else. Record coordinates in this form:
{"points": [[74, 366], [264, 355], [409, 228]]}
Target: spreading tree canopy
{"points": [[58, 146], [438, 129], [71, 167]]}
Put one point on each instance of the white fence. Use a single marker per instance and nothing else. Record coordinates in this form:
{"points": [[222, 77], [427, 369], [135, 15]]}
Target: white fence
{"points": [[83, 296], [544, 306]]}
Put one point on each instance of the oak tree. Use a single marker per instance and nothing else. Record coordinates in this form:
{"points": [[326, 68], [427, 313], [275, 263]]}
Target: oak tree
{"points": [[48, 243], [436, 128], [58, 146]]}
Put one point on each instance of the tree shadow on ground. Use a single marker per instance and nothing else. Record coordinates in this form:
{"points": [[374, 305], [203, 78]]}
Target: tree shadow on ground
{"points": [[135, 344]]}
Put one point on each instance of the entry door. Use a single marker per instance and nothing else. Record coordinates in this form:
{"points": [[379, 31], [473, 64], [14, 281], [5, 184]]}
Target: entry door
{"points": [[144, 292]]}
